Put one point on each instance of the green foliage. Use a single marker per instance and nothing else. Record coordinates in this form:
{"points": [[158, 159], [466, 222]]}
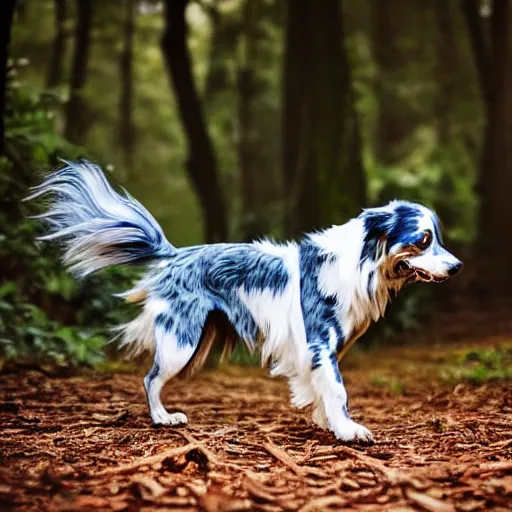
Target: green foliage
{"points": [[28, 335], [241, 356], [45, 314], [393, 385], [479, 365]]}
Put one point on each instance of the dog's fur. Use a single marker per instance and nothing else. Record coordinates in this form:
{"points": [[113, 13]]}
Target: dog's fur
{"points": [[305, 301]]}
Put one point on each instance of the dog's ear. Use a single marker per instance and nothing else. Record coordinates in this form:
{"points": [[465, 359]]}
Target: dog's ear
{"points": [[381, 246], [376, 227]]}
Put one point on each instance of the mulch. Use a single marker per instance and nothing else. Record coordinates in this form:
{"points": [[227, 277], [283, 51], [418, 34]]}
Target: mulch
{"points": [[85, 443]]}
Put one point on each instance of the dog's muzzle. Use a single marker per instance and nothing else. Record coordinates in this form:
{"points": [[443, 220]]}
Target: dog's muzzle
{"points": [[406, 269], [455, 269]]}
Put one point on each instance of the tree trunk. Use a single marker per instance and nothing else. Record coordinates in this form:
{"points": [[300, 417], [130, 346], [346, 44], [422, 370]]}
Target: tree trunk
{"points": [[353, 146], [446, 98], [6, 20], [225, 31], [493, 59], [126, 128], [479, 34], [201, 164], [320, 127], [76, 112], [296, 170], [395, 120], [55, 70], [251, 174], [446, 63]]}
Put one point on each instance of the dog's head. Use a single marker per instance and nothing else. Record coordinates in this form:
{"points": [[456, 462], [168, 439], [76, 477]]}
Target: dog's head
{"points": [[404, 241]]}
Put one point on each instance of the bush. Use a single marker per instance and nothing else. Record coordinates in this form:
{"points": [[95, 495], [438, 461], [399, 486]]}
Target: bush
{"points": [[45, 314]]}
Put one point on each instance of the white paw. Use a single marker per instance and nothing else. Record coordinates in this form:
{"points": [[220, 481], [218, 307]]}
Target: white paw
{"points": [[351, 431], [164, 418]]}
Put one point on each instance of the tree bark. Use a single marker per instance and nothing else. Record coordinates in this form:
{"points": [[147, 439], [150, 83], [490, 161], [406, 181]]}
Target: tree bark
{"points": [[493, 59], [223, 44], [320, 127], [6, 20], [479, 36], [126, 128], [446, 63], [59, 44], [76, 111], [293, 125], [395, 120], [251, 174], [201, 164]]}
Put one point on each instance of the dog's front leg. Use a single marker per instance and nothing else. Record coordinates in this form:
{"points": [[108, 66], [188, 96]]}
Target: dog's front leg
{"points": [[330, 409]]}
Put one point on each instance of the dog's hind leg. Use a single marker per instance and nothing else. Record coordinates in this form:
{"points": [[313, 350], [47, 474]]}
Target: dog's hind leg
{"points": [[175, 343], [170, 359]]}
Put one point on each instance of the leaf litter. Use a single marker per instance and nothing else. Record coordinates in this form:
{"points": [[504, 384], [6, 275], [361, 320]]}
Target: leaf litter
{"points": [[85, 443]]}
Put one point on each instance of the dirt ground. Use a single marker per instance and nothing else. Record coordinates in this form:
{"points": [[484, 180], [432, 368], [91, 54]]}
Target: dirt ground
{"points": [[85, 443]]}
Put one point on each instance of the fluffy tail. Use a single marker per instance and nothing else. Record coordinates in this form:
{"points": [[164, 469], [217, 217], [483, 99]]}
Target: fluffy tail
{"points": [[98, 226]]}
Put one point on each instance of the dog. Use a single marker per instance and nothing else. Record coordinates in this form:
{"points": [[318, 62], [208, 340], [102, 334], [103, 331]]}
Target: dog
{"points": [[302, 304]]}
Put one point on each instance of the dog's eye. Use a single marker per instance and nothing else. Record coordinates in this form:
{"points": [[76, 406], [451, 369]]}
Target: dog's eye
{"points": [[425, 241]]}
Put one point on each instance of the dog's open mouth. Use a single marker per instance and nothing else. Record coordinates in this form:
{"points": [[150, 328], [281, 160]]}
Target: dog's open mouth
{"points": [[423, 275], [403, 269]]}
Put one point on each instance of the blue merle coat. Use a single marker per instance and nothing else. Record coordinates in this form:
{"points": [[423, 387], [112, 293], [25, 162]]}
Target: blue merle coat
{"points": [[301, 304]]}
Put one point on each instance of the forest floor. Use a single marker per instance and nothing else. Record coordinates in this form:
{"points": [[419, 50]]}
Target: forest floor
{"points": [[85, 443]]}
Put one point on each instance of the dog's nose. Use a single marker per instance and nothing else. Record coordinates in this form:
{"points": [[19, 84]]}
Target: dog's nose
{"points": [[455, 269]]}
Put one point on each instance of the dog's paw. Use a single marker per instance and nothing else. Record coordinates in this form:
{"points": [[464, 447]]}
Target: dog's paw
{"points": [[350, 431], [175, 419]]}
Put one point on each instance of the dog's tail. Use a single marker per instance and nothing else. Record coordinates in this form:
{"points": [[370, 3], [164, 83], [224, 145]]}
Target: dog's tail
{"points": [[98, 226]]}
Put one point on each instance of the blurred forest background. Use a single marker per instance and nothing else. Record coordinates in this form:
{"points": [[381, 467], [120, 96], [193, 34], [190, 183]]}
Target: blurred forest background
{"points": [[235, 119]]}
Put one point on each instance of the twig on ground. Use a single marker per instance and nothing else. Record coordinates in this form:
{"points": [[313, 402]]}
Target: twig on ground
{"points": [[148, 461], [209, 454], [282, 456]]}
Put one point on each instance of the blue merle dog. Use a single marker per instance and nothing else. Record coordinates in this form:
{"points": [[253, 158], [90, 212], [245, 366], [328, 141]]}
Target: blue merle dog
{"points": [[301, 303]]}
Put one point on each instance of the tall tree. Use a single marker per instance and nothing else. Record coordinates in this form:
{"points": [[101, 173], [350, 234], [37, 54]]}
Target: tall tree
{"points": [[201, 163], [126, 128], [492, 47], [323, 175], [393, 123], [224, 34], [59, 44], [252, 175], [6, 19], [76, 111], [446, 63]]}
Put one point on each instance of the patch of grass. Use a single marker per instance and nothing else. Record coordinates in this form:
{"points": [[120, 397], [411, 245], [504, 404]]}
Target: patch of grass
{"points": [[392, 384], [478, 366]]}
